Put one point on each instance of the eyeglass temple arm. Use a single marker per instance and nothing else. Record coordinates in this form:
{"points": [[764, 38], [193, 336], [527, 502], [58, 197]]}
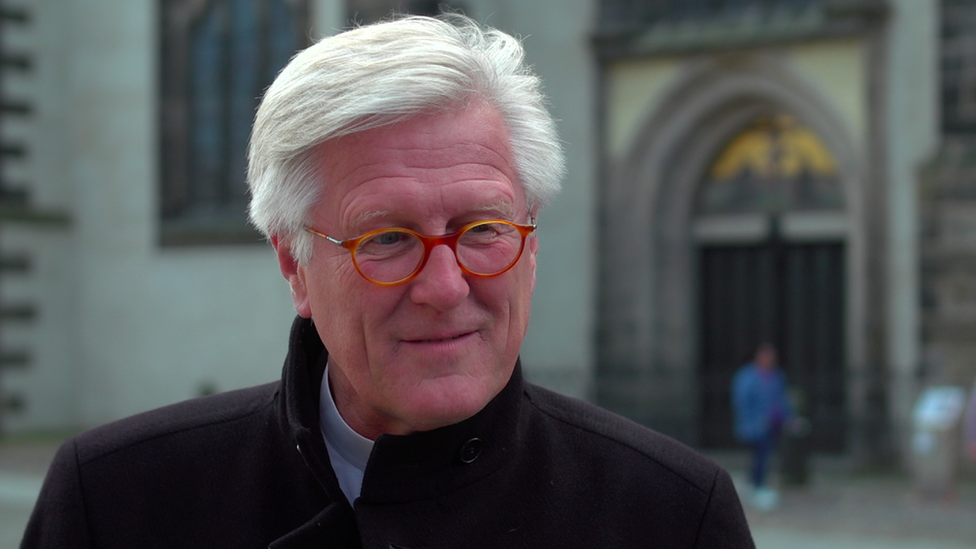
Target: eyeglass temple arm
{"points": [[337, 242]]}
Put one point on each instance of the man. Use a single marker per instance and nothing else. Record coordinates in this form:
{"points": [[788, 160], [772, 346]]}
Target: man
{"points": [[761, 407], [398, 171]]}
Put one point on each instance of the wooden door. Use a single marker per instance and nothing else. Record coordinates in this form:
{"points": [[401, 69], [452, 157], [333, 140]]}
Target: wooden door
{"points": [[791, 295]]}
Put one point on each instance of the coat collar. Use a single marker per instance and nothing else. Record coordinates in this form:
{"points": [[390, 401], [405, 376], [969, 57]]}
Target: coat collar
{"points": [[432, 463], [400, 468]]}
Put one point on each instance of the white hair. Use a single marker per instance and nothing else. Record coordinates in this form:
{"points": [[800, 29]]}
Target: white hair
{"points": [[378, 75]]}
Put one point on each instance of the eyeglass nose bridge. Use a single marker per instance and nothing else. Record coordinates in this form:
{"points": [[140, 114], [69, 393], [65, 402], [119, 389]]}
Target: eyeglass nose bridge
{"points": [[429, 242]]}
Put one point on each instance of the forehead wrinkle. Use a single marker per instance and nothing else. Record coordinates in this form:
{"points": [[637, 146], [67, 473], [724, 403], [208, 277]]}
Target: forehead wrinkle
{"points": [[350, 216], [502, 207], [500, 202], [505, 208], [369, 215], [374, 171], [503, 204], [471, 154]]}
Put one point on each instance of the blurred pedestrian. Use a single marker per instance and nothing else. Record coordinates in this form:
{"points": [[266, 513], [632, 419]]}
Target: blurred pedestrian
{"points": [[761, 407], [971, 424]]}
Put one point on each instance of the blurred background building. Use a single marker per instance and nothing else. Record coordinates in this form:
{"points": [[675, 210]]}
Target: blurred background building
{"points": [[801, 172]]}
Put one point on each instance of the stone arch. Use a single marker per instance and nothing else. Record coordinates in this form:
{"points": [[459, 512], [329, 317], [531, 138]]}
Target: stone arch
{"points": [[648, 303]]}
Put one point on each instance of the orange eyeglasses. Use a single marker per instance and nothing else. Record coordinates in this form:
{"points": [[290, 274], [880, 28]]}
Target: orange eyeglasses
{"points": [[395, 255]]}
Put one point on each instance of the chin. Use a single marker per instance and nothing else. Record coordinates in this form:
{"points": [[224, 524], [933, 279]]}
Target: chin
{"points": [[453, 402]]}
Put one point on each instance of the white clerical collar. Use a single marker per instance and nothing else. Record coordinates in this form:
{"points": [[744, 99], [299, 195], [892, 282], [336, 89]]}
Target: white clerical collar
{"points": [[348, 450]]}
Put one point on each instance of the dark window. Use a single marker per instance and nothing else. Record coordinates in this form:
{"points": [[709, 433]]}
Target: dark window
{"points": [[959, 66], [630, 13], [368, 11], [218, 56]]}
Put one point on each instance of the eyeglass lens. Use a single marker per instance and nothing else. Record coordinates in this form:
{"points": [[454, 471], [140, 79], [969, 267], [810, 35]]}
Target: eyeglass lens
{"points": [[483, 249]]}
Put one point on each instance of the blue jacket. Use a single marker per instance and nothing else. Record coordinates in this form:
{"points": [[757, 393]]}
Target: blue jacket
{"points": [[760, 402]]}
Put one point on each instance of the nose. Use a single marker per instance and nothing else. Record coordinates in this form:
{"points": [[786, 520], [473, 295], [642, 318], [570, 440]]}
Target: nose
{"points": [[441, 283]]}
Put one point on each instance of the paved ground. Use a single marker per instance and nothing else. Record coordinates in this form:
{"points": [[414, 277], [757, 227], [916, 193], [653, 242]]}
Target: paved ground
{"points": [[866, 512], [840, 509], [836, 510]]}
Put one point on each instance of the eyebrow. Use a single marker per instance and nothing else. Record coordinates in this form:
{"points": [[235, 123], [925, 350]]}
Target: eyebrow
{"points": [[370, 215], [503, 207]]}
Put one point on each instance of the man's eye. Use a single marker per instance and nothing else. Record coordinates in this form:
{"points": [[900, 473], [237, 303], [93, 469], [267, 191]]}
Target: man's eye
{"points": [[486, 229], [386, 243], [389, 238], [489, 234]]}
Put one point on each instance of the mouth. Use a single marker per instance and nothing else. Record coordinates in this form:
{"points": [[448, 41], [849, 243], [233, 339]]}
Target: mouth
{"points": [[446, 339], [437, 340]]}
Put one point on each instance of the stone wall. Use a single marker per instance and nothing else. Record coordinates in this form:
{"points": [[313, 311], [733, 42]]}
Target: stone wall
{"points": [[948, 265]]}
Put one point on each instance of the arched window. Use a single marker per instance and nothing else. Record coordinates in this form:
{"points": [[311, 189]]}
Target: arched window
{"points": [[218, 56], [773, 166]]}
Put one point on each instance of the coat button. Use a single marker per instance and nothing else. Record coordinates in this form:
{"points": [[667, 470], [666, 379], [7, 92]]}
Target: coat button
{"points": [[471, 450]]}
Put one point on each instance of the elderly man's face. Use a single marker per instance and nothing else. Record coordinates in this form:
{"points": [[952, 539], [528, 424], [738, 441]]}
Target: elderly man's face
{"points": [[435, 350]]}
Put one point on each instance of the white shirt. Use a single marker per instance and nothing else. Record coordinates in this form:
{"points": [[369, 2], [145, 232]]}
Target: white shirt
{"points": [[348, 450]]}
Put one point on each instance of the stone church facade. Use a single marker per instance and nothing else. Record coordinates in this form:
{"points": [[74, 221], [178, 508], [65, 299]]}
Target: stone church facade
{"points": [[740, 171]]}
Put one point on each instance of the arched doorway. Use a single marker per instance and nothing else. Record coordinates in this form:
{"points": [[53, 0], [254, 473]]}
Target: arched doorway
{"points": [[655, 229], [768, 224]]}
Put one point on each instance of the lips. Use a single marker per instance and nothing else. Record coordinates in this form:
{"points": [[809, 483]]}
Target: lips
{"points": [[437, 339]]}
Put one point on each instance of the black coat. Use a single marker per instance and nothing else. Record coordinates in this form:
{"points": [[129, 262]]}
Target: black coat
{"points": [[249, 468]]}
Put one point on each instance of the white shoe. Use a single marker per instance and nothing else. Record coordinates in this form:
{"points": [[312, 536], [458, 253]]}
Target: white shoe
{"points": [[765, 499]]}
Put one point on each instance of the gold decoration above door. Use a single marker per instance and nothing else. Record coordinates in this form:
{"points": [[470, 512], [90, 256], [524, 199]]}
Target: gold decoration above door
{"points": [[774, 165]]}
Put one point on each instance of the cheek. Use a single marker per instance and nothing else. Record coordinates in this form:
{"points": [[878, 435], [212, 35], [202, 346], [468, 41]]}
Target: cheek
{"points": [[353, 314], [335, 301], [332, 280], [527, 275], [527, 289], [517, 294]]}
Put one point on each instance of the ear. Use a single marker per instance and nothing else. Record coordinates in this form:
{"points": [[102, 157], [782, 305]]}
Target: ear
{"points": [[533, 245], [294, 273]]}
